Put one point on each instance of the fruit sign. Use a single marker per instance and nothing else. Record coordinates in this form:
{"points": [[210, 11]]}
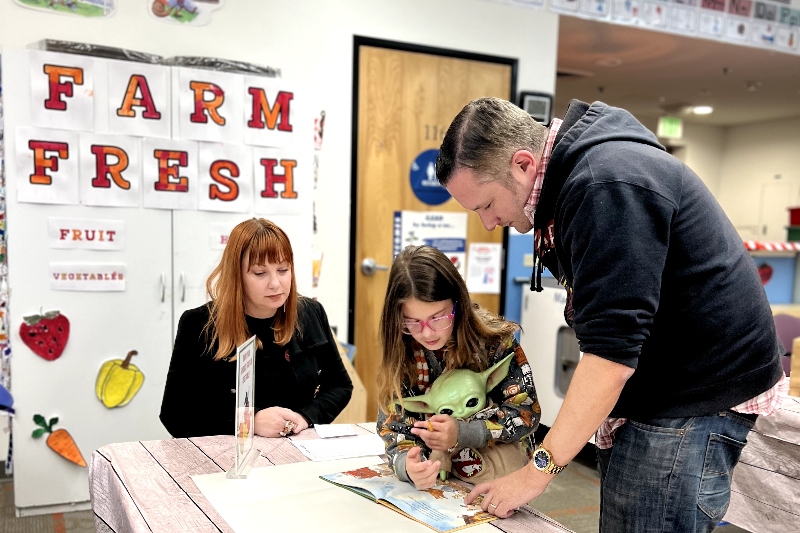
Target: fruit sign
{"points": [[45, 334]]}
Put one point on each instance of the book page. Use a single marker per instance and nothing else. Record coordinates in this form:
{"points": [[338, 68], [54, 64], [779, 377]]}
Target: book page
{"points": [[441, 507]]}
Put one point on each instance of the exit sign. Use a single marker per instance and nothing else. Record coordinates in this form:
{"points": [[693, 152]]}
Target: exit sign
{"points": [[670, 128]]}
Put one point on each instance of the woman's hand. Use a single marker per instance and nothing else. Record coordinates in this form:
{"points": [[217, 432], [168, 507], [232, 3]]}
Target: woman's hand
{"points": [[422, 473], [273, 421], [439, 432]]}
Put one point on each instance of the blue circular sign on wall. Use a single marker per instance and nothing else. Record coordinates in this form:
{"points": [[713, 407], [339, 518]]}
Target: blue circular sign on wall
{"points": [[423, 179]]}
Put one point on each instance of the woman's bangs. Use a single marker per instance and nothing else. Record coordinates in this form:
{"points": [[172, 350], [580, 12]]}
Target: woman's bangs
{"points": [[269, 247]]}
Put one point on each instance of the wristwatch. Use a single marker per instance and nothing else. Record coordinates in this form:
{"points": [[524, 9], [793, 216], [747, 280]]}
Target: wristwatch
{"points": [[543, 461]]}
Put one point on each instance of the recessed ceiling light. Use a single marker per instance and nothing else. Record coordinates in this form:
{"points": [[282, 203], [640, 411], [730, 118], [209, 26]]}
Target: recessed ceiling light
{"points": [[702, 110]]}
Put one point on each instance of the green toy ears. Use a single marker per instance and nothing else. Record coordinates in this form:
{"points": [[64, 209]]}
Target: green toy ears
{"points": [[459, 393]]}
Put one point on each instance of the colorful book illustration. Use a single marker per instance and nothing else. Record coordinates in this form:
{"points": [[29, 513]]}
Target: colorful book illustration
{"points": [[441, 507]]}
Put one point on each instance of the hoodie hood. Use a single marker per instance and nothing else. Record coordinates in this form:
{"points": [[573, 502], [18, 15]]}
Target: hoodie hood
{"points": [[584, 126]]}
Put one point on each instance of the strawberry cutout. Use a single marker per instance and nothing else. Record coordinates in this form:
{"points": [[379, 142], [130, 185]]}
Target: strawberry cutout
{"points": [[765, 272], [45, 334]]}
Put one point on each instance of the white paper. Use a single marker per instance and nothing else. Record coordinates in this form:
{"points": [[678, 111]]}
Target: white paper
{"points": [[111, 170], [209, 105], [276, 113], [326, 431], [138, 100], [283, 180], [47, 166], [483, 267], [294, 498], [86, 234], [62, 90], [444, 230], [218, 237], [94, 277], [341, 448], [225, 178], [169, 174]]}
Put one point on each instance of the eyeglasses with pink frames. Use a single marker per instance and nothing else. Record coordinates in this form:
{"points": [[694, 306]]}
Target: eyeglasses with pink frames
{"points": [[436, 324]]}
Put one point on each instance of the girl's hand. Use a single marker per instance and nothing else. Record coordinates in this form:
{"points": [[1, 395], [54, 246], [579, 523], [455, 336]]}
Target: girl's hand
{"points": [[439, 432], [422, 473]]}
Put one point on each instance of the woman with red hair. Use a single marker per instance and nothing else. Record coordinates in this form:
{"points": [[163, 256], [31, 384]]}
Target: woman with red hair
{"points": [[300, 379]]}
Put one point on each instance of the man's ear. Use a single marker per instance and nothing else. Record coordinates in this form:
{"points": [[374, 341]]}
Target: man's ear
{"points": [[526, 162]]}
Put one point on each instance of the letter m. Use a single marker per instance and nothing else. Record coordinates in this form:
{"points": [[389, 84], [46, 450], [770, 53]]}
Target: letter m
{"points": [[270, 116]]}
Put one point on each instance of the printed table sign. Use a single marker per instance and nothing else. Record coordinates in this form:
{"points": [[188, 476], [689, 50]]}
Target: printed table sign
{"points": [[245, 410]]}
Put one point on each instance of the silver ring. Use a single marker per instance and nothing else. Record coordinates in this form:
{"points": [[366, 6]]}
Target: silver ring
{"points": [[493, 506]]}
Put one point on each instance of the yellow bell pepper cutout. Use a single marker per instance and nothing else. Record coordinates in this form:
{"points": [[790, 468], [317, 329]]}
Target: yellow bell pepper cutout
{"points": [[118, 381]]}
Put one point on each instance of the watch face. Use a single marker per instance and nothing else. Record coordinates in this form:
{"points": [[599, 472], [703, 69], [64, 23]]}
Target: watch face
{"points": [[541, 459]]}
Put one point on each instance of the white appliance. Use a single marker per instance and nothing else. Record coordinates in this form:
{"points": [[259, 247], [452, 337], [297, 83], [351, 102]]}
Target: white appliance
{"points": [[550, 345]]}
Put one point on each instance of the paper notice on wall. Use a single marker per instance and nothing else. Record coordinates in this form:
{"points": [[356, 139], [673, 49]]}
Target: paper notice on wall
{"points": [[93, 277], [443, 230], [218, 236], [46, 166], [86, 234], [483, 267]]}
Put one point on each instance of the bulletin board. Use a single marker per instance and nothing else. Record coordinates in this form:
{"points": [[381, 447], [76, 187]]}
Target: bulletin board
{"points": [[123, 180]]}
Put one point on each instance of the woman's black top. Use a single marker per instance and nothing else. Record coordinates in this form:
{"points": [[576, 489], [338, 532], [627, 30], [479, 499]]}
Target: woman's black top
{"points": [[306, 375]]}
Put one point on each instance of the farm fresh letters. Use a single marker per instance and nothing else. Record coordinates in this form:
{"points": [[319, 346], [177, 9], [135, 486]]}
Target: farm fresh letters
{"points": [[115, 133]]}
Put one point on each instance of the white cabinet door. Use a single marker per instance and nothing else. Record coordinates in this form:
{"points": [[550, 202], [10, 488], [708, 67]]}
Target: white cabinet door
{"points": [[103, 326], [197, 249]]}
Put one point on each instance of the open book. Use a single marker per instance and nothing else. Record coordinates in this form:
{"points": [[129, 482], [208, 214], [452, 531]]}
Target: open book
{"points": [[441, 508]]}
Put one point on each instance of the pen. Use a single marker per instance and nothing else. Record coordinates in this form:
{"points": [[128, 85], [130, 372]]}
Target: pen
{"points": [[430, 426]]}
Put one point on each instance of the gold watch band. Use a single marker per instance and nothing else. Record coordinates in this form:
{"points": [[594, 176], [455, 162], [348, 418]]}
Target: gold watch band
{"points": [[543, 461]]}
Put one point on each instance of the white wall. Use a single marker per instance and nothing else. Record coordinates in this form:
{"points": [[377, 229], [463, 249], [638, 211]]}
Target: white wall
{"points": [[704, 153], [760, 175], [312, 41], [701, 148]]}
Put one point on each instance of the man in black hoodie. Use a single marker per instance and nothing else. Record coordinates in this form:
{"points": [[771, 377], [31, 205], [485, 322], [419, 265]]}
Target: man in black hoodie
{"points": [[680, 350]]}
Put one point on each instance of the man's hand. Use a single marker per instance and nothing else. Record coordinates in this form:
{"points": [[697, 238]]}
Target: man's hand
{"points": [[422, 473], [504, 495], [444, 435]]}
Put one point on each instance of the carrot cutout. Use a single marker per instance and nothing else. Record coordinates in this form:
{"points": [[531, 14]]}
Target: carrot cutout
{"points": [[60, 441]]}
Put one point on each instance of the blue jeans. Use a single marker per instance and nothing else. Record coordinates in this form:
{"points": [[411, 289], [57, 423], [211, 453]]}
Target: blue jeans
{"points": [[670, 475]]}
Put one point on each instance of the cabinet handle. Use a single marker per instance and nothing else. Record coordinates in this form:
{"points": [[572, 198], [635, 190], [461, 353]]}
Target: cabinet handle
{"points": [[163, 287], [183, 287]]}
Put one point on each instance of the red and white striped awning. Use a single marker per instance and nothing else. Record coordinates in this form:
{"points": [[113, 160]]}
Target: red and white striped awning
{"points": [[759, 246]]}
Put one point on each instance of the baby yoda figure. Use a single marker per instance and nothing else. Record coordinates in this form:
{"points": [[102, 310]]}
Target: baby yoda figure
{"points": [[461, 393]]}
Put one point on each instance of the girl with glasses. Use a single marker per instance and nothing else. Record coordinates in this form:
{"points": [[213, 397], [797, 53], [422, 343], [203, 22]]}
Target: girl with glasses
{"points": [[430, 325]]}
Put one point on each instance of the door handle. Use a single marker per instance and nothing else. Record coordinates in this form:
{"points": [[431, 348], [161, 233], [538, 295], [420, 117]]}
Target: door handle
{"points": [[163, 287], [183, 287], [369, 266]]}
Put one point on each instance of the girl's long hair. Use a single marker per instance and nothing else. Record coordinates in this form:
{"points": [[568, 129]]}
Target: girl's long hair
{"points": [[256, 241], [428, 275]]}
